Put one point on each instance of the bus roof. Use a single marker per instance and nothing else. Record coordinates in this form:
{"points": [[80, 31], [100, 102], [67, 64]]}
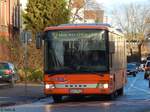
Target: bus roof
{"points": [[102, 26]]}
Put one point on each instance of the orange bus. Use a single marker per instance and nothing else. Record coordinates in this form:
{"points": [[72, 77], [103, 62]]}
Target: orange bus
{"points": [[83, 59]]}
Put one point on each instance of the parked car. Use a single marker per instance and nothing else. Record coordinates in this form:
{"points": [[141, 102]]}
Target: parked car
{"points": [[8, 73], [148, 58], [132, 69], [147, 70], [137, 65], [141, 68]]}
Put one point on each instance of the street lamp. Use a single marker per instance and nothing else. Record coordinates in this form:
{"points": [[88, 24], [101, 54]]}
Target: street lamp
{"points": [[25, 39]]}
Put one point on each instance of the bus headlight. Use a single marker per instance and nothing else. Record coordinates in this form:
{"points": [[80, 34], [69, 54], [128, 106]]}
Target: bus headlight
{"points": [[49, 86], [105, 86]]}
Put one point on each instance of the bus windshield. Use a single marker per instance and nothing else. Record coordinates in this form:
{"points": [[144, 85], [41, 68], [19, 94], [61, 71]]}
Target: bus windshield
{"points": [[73, 51]]}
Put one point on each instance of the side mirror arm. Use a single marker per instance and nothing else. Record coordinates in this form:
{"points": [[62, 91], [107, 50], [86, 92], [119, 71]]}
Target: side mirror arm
{"points": [[38, 40]]}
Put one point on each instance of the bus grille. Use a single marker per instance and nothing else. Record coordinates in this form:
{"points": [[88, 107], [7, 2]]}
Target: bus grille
{"points": [[76, 85]]}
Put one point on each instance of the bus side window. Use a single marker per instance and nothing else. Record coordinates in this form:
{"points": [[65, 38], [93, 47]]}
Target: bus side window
{"points": [[111, 61], [111, 47]]}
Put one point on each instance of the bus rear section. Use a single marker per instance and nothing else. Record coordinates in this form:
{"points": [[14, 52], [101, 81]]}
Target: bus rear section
{"points": [[78, 61]]}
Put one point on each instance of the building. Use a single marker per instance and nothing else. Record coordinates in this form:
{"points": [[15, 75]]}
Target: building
{"points": [[9, 25], [86, 11]]}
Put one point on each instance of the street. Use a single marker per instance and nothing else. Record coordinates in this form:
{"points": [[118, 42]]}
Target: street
{"points": [[18, 94], [135, 99], [79, 48]]}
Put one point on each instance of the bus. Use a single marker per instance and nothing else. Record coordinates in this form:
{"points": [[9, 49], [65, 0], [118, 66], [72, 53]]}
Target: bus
{"points": [[83, 59]]}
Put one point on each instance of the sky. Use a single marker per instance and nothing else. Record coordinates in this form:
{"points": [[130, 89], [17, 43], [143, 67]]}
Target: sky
{"points": [[23, 2], [106, 3], [109, 5]]}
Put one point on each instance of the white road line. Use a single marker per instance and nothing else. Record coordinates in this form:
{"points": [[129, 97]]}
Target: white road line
{"points": [[132, 84], [4, 97], [4, 84], [44, 101], [147, 100], [148, 92]]}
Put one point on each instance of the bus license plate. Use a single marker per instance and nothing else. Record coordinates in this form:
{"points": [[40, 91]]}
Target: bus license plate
{"points": [[75, 91]]}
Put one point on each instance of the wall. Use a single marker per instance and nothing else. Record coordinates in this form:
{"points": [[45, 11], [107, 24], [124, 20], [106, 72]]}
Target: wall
{"points": [[9, 25]]}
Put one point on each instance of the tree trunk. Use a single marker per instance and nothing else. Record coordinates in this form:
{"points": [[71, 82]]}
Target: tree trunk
{"points": [[131, 52], [139, 52]]}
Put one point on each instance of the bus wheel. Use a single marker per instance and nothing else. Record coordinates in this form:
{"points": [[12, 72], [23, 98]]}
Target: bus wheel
{"points": [[120, 92], [134, 75], [112, 96], [145, 76], [57, 98], [77, 97]]}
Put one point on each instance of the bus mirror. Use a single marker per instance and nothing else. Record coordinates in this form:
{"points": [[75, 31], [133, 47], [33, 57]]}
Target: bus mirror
{"points": [[111, 47], [38, 40]]}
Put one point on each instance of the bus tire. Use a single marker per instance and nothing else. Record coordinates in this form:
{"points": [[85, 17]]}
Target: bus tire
{"points": [[145, 76], [112, 96], [134, 75], [57, 98], [120, 91]]}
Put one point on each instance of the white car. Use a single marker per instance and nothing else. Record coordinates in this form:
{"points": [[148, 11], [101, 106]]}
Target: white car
{"points": [[141, 67]]}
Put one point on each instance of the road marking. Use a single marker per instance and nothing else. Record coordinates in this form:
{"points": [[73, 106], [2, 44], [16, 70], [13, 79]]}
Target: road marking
{"points": [[4, 84], [4, 97], [44, 101], [132, 84], [142, 90], [147, 100]]}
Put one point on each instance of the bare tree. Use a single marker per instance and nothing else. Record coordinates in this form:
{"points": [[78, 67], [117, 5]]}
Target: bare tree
{"points": [[131, 18], [76, 6], [147, 29], [78, 9]]}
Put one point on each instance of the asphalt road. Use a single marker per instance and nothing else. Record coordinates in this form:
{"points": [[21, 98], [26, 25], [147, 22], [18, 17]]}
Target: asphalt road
{"points": [[135, 99], [19, 94]]}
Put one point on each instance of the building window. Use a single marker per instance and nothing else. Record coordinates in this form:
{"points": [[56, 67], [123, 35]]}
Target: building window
{"points": [[5, 13], [1, 12]]}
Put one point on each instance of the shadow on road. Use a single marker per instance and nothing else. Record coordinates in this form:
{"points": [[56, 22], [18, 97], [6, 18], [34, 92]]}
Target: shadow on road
{"points": [[81, 99], [4, 86]]}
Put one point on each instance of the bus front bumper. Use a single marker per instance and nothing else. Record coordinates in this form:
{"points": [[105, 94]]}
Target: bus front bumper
{"points": [[77, 91]]}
